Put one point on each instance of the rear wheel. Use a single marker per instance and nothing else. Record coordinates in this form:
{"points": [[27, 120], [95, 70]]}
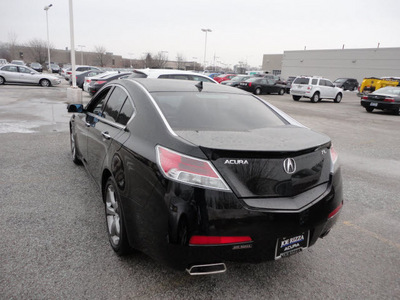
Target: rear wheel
{"points": [[338, 98], [115, 219], [44, 82], [257, 91], [2, 80], [74, 155], [369, 109], [396, 111], [296, 98], [315, 98], [281, 91]]}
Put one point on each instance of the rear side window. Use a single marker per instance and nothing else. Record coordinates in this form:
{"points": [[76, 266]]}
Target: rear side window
{"points": [[301, 80], [126, 112], [215, 111], [200, 78], [314, 81], [114, 104]]}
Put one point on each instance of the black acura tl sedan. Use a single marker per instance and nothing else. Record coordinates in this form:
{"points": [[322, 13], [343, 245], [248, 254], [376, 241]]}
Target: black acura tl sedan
{"points": [[196, 174]]}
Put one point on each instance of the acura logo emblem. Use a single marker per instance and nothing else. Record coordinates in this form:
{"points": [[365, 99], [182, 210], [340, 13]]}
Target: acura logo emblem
{"points": [[289, 165]]}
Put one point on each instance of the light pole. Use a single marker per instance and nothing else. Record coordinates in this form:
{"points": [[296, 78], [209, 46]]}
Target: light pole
{"points": [[82, 46], [205, 46], [46, 8], [194, 63], [130, 59]]}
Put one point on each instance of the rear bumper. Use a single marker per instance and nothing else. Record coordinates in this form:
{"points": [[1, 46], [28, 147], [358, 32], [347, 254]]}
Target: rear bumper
{"points": [[380, 105], [212, 213]]}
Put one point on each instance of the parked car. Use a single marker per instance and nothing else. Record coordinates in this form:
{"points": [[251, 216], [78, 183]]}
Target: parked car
{"points": [[22, 74], [289, 82], [261, 85], [80, 79], [195, 175], [54, 68], [170, 74], [96, 77], [213, 75], [350, 84], [387, 98], [97, 84], [37, 67], [236, 80], [79, 69], [18, 62], [3, 61], [315, 88], [224, 77], [64, 69]]}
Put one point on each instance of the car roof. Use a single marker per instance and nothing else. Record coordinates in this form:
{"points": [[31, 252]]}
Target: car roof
{"points": [[173, 85]]}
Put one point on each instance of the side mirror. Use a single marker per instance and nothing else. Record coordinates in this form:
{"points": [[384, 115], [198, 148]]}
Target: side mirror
{"points": [[32, 73], [78, 108]]}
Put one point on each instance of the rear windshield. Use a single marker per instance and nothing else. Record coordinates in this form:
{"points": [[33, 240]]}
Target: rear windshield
{"points": [[301, 80], [215, 111]]}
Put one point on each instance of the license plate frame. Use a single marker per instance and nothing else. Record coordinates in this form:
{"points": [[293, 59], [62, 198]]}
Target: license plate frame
{"points": [[289, 245], [373, 104]]}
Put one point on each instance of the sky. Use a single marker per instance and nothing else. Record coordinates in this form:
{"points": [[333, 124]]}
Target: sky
{"points": [[242, 31]]}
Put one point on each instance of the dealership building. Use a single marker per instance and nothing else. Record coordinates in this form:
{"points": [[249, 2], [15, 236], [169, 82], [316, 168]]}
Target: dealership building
{"points": [[332, 64]]}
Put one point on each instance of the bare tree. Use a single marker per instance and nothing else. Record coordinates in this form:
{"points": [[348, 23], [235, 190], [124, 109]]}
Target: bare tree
{"points": [[12, 45], [180, 59], [147, 60], [102, 58], [38, 50], [5, 52], [159, 60]]}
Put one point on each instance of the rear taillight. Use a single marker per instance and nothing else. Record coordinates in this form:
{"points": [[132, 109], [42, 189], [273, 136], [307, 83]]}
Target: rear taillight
{"points": [[249, 84], [389, 100], [69, 73], [365, 98], [334, 212], [189, 170], [100, 82], [309, 87], [334, 158], [198, 240], [88, 80]]}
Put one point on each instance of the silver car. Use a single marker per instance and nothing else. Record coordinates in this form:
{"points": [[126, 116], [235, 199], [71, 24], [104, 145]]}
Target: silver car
{"points": [[23, 74]]}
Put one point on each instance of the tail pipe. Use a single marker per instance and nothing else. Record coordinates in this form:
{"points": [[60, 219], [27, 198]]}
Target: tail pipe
{"points": [[207, 269]]}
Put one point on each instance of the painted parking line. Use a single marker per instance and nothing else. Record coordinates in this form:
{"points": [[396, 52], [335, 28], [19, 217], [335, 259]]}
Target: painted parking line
{"points": [[373, 234]]}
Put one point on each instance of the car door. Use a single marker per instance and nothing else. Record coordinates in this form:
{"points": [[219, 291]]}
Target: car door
{"points": [[330, 89], [322, 88], [103, 131], [10, 73], [26, 75]]}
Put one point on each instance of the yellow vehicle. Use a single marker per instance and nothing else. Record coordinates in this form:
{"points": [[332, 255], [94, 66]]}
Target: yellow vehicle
{"points": [[371, 84]]}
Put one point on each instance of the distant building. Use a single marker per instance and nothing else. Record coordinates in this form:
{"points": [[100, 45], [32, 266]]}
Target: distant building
{"points": [[332, 64]]}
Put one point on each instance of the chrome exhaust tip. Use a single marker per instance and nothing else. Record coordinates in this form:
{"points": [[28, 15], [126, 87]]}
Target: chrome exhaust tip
{"points": [[207, 269]]}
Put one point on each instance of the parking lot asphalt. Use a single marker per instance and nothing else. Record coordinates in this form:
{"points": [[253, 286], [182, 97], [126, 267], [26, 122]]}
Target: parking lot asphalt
{"points": [[54, 242]]}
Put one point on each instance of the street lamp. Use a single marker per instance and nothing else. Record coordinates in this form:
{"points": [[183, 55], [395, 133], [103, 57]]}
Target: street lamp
{"points": [[205, 46], [82, 46], [46, 8]]}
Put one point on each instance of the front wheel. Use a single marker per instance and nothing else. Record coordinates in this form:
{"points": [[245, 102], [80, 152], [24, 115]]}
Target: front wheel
{"points": [[338, 98], [44, 83], [281, 91], [2, 80], [315, 98], [115, 219], [296, 98]]}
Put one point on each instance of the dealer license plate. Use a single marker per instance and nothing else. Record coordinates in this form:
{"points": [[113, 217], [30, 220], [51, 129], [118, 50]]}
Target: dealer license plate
{"points": [[290, 245], [373, 104]]}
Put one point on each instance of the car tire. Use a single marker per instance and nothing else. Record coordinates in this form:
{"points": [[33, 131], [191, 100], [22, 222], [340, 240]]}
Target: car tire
{"points": [[369, 109], [296, 98], [315, 98], [257, 91], [74, 150], [338, 98], [115, 219], [281, 92], [396, 111], [2, 80], [45, 83]]}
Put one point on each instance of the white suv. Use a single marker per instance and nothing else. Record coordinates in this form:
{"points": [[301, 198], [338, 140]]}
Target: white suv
{"points": [[170, 74], [315, 88]]}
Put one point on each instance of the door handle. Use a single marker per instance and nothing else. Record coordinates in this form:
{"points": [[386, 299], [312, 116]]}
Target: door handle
{"points": [[106, 135]]}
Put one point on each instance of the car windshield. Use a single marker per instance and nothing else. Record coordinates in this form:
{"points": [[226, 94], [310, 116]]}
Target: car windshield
{"points": [[388, 91], [301, 80], [340, 80], [215, 111]]}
